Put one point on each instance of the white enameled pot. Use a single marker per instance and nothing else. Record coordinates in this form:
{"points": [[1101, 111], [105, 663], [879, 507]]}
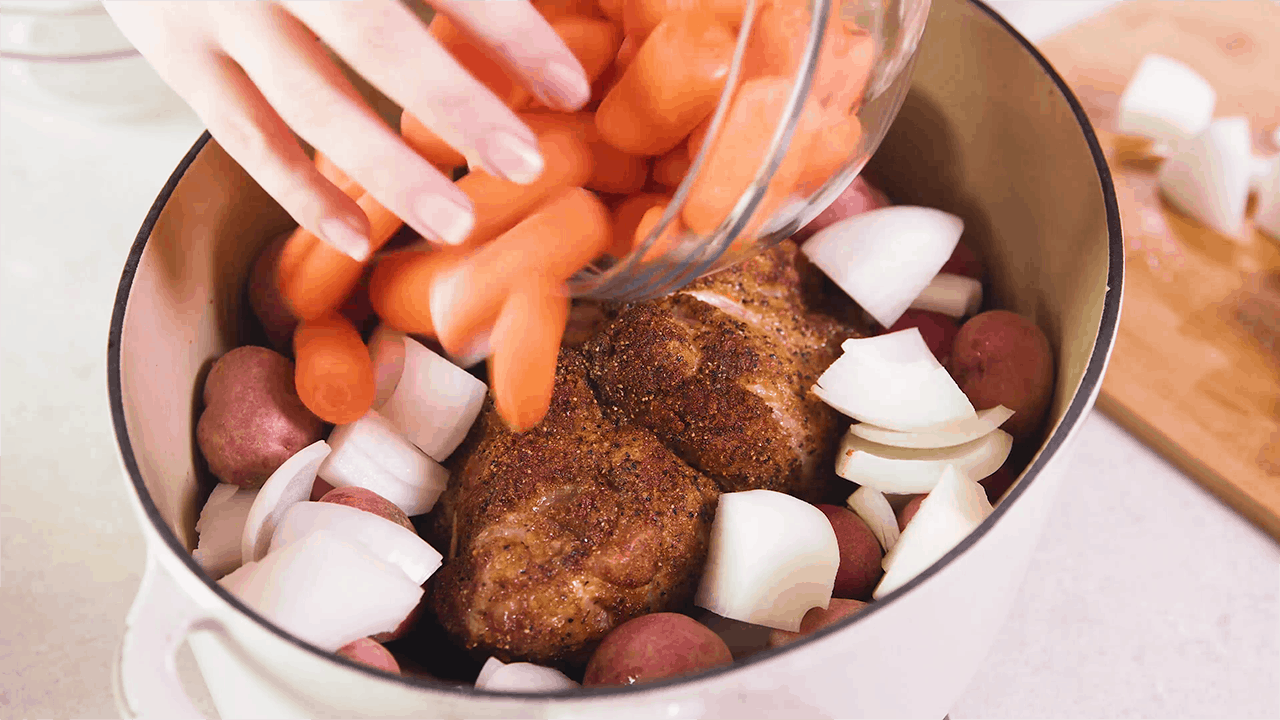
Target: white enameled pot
{"points": [[988, 132]]}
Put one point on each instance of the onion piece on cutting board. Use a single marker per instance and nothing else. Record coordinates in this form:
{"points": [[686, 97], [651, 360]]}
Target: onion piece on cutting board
{"points": [[497, 676], [387, 540], [956, 296], [373, 454], [956, 506], [871, 505], [326, 591], [906, 471], [893, 381], [291, 483], [950, 435], [433, 402], [1166, 101], [770, 559], [884, 258], [220, 528], [1208, 178]]}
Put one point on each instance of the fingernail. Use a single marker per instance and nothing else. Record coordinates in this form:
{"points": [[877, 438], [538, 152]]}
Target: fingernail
{"points": [[446, 219], [565, 86], [443, 302], [344, 238], [511, 157]]}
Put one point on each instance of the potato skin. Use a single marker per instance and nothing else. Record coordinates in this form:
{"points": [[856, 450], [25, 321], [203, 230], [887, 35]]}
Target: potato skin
{"points": [[816, 619], [253, 419], [1003, 358], [269, 306], [655, 646], [860, 554]]}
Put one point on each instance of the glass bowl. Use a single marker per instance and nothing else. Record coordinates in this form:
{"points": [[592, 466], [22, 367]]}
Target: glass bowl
{"points": [[672, 254]]}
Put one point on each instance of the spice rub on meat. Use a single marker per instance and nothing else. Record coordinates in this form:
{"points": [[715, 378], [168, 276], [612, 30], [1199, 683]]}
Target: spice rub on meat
{"points": [[721, 371], [557, 535]]}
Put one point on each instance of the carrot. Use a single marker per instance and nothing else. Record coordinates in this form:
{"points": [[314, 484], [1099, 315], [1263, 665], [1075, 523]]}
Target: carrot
{"points": [[430, 146], [333, 373], [613, 9], [626, 219], [552, 10], [613, 171], [472, 56], [834, 144], [400, 287], [334, 174], [640, 17], [594, 42], [778, 39], [671, 86], [739, 152], [558, 239], [500, 204], [613, 73], [670, 169], [526, 346], [666, 241], [314, 278]]}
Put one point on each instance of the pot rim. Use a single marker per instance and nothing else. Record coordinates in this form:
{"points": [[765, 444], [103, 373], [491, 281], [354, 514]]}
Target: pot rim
{"points": [[1090, 384]]}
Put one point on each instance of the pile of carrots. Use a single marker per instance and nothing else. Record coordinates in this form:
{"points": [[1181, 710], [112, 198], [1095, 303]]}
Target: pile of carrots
{"points": [[658, 68]]}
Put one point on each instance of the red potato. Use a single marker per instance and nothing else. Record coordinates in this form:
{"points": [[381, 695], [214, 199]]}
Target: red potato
{"points": [[656, 646], [368, 652], [319, 490], [272, 311], [405, 625], [369, 501], [816, 619], [1002, 358], [998, 483], [858, 198], [253, 419], [860, 554], [964, 261], [908, 511], [938, 330]]}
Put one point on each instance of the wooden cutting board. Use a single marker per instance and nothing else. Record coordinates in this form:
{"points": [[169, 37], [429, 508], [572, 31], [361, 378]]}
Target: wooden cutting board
{"points": [[1196, 367]]}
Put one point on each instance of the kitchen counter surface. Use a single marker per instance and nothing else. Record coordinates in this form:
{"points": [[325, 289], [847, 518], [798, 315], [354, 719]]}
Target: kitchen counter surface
{"points": [[1146, 597]]}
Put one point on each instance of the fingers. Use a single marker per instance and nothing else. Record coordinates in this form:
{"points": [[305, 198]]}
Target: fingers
{"points": [[309, 92], [526, 43], [446, 99]]}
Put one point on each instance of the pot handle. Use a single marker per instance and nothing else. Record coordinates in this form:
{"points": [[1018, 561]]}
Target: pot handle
{"points": [[158, 623]]}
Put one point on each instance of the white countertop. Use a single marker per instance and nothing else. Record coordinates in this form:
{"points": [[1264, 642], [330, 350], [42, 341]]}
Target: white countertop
{"points": [[1146, 598]]}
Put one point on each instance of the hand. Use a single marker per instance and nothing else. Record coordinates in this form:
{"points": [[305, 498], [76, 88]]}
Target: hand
{"points": [[255, 71]]}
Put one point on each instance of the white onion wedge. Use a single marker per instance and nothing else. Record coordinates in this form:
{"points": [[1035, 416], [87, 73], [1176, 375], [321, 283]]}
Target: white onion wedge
{"points": [[1208, 178], [1266, 217], [386, 350], [884, 258], [291, 483], [372, 453], [771, 558], [497, 676], [1166, 101], [904, 471], [387, 540], [870, 504], [220, 527], [326, 591], [950, 435], [954, 295], [434, 402], [956, 506], [893, 381]]}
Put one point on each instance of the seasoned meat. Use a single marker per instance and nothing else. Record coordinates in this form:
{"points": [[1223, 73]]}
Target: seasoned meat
{"points": [[586, 318], [721, 372], [559, 534]]}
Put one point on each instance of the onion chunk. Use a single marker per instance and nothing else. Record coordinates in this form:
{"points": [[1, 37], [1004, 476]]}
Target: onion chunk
{"points": [[387, 540], [771, 558], [910, 470], [497, 676], [372, 453], [434, 402], [1166, 101], [874, 509], [221, 526], [950, 435], [956, 296], [1208, 178], [291, 483]]}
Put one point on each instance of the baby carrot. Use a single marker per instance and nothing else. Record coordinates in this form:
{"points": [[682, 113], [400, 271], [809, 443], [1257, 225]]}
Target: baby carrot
{"points": [[778, 38], [332, 373], [613, 9], [640, 17], [552, 10], [626, 219], [670, 169], [499, 204], [526, 346], [739, 151], [400, 287], [613, 73], [671, 86], [334, 174], [314, 278], [835, 143], [558, 239], [472, 56], [664, 242], [613, 171], [430, 146], [594, 43]]}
